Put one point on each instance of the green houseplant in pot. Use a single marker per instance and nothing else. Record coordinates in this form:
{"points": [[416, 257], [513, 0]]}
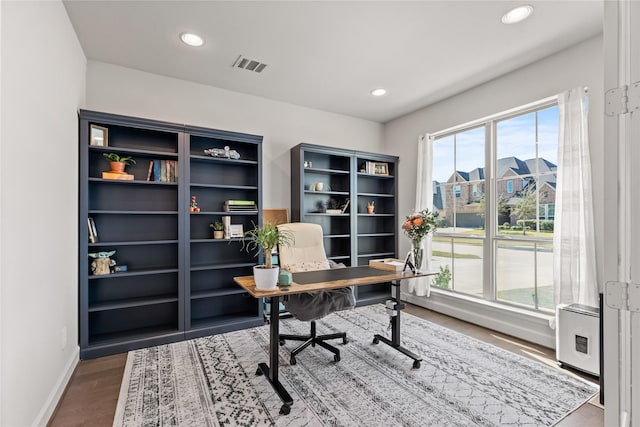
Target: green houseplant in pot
{"points": [[263, 239], [218, 230], [117, 163]]}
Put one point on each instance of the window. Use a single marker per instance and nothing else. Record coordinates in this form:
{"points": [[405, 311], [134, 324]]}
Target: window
{"points": [[496, 241]]}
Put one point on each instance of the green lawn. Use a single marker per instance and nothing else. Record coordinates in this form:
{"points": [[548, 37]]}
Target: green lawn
{"points": [[455, 255], [525, 296]]}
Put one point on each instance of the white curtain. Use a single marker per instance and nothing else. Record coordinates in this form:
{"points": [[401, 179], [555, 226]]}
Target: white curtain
{"points": [[424, 200], [574, 261]]}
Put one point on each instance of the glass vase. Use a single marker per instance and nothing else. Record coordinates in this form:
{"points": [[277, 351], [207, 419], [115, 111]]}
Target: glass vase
{"points": [[417, 253]]}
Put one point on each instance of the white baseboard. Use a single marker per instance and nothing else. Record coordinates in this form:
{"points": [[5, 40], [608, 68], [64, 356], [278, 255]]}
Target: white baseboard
{"points": [[529, 326], [54, 397]]}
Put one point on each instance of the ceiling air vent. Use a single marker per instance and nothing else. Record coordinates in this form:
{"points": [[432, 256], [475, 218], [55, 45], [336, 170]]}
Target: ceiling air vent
{"points": [[249, 64]]}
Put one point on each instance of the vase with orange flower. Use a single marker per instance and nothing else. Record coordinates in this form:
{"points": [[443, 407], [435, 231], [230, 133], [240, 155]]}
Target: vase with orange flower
{"points": [[417, 226]]}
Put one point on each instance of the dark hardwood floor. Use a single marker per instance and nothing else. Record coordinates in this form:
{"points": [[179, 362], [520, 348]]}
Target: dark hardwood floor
{"points": [[92, 394]]}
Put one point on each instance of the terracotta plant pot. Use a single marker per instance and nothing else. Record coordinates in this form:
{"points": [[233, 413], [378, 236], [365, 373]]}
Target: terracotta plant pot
{"points": [[370, 209], [117, 167], [218, 234]]}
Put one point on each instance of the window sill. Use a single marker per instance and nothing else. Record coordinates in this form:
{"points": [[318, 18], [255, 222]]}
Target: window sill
{"points": [[525, 324]]}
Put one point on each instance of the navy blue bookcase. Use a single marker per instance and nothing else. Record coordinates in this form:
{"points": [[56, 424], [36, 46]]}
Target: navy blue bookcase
{"points": [[179, 280]]}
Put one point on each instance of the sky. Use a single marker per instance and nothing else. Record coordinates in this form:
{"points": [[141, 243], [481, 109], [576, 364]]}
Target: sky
{"points": [[515, 137]]}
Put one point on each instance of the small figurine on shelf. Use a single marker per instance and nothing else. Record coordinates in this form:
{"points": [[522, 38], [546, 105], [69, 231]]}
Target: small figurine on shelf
{"points": [[102, 263], [193, 207]]}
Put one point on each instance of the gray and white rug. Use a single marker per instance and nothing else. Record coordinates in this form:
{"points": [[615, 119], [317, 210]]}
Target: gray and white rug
{"points": [[211, 381]]}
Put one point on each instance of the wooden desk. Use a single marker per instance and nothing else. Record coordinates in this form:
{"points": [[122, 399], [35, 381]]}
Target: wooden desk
{"points": [[342, 277]]}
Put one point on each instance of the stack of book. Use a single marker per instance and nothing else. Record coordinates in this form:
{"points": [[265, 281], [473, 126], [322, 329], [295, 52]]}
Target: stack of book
{"points": [[163, 171], [240, 206]]}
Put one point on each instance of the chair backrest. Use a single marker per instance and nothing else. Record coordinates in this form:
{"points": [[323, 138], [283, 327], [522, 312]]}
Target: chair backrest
{"points": [[307, 251]]}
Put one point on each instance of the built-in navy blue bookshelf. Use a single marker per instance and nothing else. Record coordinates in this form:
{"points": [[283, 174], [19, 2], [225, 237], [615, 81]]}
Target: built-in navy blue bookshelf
{"points": [[179, 280]]}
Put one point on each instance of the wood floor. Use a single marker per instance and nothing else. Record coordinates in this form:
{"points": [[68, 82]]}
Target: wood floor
{"points": [[92, 394]]}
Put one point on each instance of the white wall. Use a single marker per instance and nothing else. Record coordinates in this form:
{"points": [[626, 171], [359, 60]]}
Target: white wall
{"points": [[578, 65], [43, 84], [120, 90]]}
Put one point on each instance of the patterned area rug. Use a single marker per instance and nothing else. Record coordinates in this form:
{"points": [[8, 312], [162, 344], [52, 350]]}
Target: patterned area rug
{"points": [[211, 381]]}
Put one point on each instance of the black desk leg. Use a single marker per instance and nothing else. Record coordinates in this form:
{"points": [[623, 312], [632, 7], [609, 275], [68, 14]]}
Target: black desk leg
{"points": [[394, 342], [271, 374]]}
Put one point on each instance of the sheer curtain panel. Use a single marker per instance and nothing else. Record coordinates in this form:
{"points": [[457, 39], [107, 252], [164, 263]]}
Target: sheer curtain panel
{"points": [[574, 261], [424, 200]]}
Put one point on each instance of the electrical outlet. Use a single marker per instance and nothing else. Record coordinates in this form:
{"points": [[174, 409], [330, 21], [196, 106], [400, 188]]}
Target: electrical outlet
{"points": [[63, 338]]}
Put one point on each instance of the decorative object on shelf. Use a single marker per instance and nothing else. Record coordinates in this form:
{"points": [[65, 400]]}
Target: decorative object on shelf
{"points": [[116, 167], [417, 226], [263, 239], [102, 263], [120, 269], [308, 164], [99, 136], [371, 207], [218, 230], [381, 168], [226, 221], [223, 152], [345, 206], [93, 232], [275, 216], [317, 186], [236, 230], [193, 206]]}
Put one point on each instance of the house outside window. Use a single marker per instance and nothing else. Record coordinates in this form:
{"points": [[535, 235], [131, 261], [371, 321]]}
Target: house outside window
{"points": [[496, 241]]}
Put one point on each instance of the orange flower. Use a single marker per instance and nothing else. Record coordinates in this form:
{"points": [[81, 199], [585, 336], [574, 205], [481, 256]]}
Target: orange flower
{"points": [[417, 221]]}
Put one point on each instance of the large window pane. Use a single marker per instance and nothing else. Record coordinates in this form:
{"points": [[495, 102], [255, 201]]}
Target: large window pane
{"points": [[524, 273], [523, 183], [460, 264]]}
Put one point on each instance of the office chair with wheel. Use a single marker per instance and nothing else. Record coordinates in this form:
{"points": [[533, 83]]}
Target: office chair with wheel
{"points": [[307, 254]]}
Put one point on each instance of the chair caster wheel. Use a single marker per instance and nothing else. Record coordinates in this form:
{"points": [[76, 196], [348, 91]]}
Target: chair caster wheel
{"points": [[376, 340], [292, 361], [336, 357], [345, 340], [258, 372], [285, 410], [281, 342], [416, 364]]}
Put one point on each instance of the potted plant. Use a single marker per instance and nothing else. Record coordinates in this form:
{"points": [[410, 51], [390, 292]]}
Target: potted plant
{"points": [[117, 163], [263, 239], [218, 230], [371, 206]]}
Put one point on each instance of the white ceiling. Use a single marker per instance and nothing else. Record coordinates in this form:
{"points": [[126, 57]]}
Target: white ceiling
{"points": [[329, 55]]}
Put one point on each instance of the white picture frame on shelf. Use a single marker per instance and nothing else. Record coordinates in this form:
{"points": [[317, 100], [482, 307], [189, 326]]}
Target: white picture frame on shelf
{"points": [[236, 230]]}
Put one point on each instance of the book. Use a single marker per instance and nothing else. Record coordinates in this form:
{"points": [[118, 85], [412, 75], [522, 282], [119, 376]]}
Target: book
{"points": [[239, 202], [156, 171], [150, 170], [93, 233], [345, 206], [117, 175], [163, 171]]}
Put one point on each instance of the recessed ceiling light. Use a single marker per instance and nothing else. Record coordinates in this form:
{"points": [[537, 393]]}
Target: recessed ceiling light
{"points": [[378, 92], [191, 39], [517, 14]]}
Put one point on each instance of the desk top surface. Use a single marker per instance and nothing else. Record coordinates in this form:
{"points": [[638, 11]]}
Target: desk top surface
{"points": [[310, 281]]}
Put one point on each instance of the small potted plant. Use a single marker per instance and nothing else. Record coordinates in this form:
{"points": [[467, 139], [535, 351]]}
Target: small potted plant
{"points": [[117, 163], [371, 207], [218, 230], [263, 239]]}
